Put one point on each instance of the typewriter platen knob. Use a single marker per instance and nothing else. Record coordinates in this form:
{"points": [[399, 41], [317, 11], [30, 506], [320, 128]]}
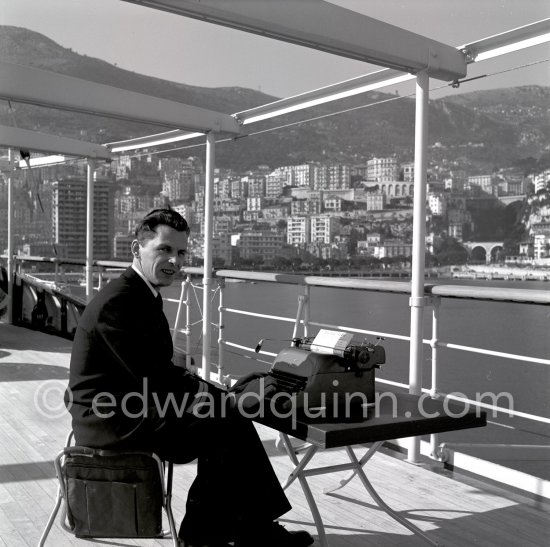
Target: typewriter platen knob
{"points": [[363, 357]]}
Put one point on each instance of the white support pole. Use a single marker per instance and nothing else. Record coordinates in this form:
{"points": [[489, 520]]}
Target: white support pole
{"points": [[418, 251], [10, 263], [90, 231], [207, 273]]}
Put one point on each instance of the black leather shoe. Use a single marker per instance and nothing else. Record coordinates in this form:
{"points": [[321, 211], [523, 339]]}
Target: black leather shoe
{"points": [[276, 535]]}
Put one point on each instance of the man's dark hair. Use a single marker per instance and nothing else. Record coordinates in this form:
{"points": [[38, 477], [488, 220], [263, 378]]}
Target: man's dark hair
{"points": [[146, 229]]}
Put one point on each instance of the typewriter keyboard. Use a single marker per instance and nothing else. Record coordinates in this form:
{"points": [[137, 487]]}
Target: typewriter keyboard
{"points": [[288, 382]]}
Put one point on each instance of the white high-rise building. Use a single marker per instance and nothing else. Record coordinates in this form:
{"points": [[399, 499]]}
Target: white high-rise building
{"points": [[322, 229], [383, 169], [298, 229]]}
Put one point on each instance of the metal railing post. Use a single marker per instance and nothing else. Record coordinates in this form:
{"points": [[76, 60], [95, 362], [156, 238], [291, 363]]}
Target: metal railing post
{"points": [[182, 302], [221, 282], [188, 363], [10, 261], [100, 278], [89, 269], [306, 310], [417, 300], [435, 302], [302, 299]]}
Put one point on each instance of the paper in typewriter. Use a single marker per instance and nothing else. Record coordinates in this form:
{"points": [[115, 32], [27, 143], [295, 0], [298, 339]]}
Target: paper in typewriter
{"points": [[331, 342]]}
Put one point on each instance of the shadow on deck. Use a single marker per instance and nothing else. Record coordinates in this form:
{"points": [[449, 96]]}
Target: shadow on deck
{"points": [[452, 509]]}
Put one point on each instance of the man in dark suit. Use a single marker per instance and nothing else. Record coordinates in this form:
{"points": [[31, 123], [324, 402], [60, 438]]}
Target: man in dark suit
{"points": [[125, 392]]}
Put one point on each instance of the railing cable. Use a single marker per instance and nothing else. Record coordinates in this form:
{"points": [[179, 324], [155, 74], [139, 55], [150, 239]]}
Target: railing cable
{"points": [[345, 111]]}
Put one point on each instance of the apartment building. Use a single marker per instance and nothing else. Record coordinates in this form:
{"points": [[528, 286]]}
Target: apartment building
{"points": [[392, 248], [296, 175], [256, 186], [255, 203], [221, 247], [264, 243], [222, 188], [179, 186], [483, 182], [437, 204], [541, 180], [274, 186], [276, 212], [375, 201], [331, 177], [298, 230], [408, 171], [383, 169], [186, 211], [239, 189], [322, 228], [69, 217], [122, 246], [301, 207], [332, 204], [121, 166]]}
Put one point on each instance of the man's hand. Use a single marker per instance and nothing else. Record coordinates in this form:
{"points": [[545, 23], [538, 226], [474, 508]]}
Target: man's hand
{"points": [[251, 394], [241, 383]]}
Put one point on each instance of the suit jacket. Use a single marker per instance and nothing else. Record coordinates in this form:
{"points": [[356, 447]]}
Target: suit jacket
{"points": [[121, 356]]}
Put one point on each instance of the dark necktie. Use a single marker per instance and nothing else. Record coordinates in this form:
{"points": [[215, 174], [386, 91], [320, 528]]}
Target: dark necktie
{"points": [[158, 299]]}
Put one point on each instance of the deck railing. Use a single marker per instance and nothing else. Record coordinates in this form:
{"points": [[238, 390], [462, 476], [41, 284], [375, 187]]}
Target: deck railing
{"points": [[434, 294], [302, 324]]}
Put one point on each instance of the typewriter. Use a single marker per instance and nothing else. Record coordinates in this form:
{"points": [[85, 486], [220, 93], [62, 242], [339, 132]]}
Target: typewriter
{"points": [[316, 376]]}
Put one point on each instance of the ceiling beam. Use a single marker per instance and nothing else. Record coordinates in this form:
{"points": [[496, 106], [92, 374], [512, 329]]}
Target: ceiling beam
{"points": [[43, 88], [506, 42], [326, 27], [33, 141]]}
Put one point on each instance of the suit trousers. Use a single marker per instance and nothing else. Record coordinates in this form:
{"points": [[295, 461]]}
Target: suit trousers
{"points": [[235, 489]]}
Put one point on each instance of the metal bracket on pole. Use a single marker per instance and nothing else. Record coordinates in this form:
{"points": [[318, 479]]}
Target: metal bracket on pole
{"points": [[442, 453], [421, 301]]}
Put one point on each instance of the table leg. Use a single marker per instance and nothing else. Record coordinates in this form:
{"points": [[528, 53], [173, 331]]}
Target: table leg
{"points": [[298, 473], [381, 503], [368, 455]]}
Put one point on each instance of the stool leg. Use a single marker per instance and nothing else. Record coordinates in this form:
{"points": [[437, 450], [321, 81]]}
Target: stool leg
{"points": [[51, 520], [168, 506]]}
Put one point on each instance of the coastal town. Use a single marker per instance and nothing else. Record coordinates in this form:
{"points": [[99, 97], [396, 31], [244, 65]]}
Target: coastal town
{"points": [[308, 217]]}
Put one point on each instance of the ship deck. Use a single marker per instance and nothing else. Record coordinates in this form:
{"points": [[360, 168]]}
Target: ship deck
{"points": [[452, 508]]}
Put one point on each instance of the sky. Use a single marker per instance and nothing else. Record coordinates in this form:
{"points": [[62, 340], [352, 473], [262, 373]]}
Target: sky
{"points": [[196, 53]]}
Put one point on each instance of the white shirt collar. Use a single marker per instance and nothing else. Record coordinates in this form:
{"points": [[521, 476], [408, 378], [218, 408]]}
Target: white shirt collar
{"points": [[147, 282]]}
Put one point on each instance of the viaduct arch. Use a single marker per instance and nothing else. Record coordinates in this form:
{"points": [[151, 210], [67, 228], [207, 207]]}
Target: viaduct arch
{"points": [[484, 250]]}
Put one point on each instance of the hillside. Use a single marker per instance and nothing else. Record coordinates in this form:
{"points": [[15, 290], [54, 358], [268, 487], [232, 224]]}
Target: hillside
{"points": [[456, 123]]}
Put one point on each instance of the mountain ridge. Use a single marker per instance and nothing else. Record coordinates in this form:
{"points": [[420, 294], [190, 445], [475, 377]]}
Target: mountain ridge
{"points": [[376, 124]]}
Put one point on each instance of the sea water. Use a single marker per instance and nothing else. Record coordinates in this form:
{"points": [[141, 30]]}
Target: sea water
{"points": [[500, 326]]}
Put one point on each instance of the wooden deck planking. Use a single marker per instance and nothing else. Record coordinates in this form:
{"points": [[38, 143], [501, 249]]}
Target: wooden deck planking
{"points": [[452, 511]]}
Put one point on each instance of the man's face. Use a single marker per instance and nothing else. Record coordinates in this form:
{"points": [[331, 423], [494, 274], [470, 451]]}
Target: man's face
{"points": [[162, 257]]}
